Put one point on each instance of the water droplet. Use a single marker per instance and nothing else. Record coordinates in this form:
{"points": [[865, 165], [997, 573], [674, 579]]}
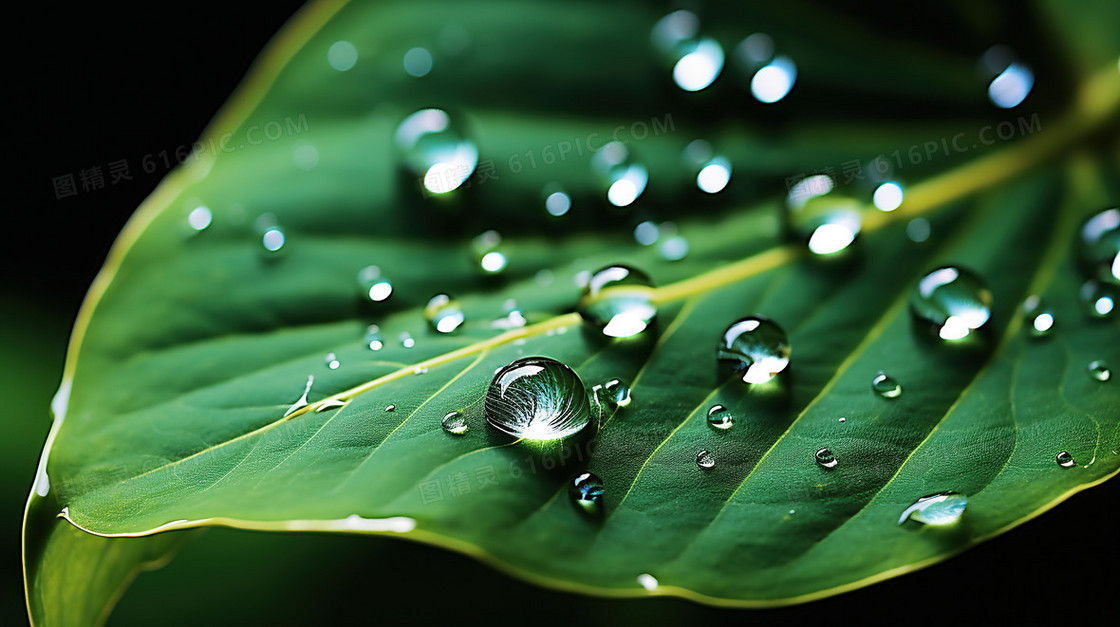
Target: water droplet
{"points": [[952, 301], [938, 509], [1099, 370], [1098, 246], [390, 408], [720, 417], [825, 459], [200, 218], [792, 512], [493, 262], [373, 286], [373, 338], [624, 180], [696, 61], [537, 398], [455, 423], [272, 236], [342, 55], [616, 393], [1039, 320], [619, 301], [1065, 460], [557, 202], [434, 149], [407, 341], [827, 222], [771, 76], [888, 196], [306, 157], [705, 459], [332, 361], [842, 419], [646, 233], [714, 176], [1099, 298], [647, 581], [755, 348], [418, 62], [918, 230], [485, 249], [329, 403], [302, 402], [586, 491], [885, 386], [443, 313], [1013, 80]]}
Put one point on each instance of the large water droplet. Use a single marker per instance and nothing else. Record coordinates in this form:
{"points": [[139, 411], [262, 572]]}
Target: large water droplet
{"points": [[372, 286], [705, 459], [1065, 460], [1098, 246], [586, 491], [938, 509], [1040, 321], [1100, 299], [624, 180], [826, 459], [455, 423], [537, 398], [885, 386], [619, 301], [443, 313], [952, 301], [755, 348], [1099, 370], [434, 149], [825, 221], [720, 417]]}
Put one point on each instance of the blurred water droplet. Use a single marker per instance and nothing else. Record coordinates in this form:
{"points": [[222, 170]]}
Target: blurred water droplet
{"points": [[720, 417], [952, 301], [1040, 321], [557, 202], [771, 76], [826, 459], [1099, 298], [714, 176], [418, 62], [1098, 246], [1012, 81], [342, 55], [332, 361], [433, 148], [888, 196], [705, 459], [938, 509], [454, 423], [373, 286], [200, 218], [1065, 460], [407, 341], [755, 348], [619, 301], [647, 581], [842, 419], [485, 248], [827, 222], [306, 157], [1099, 370], [886, 386], [443, 313], [373, 338], [646, 233], [624, 179], [700, 63], [673, 248], [390, 408], [537, 398], [586, 491], [918, 230]]}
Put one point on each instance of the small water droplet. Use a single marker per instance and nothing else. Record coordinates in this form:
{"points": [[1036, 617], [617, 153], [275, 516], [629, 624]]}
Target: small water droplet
{"points": [[1040, 321], [485, 249], [646, 233], [705, 459], [330, 403], [617, 393], [885, 386], [619, 301], [373, 338], [952, 301], [826, 222], [537, 398], [720, 417], [200, 218], [1099, 370], [407, 341], [418, 62], [624, 179], [390, 408], [557, 202], [647, 581], [372, 286], [332, 361], [273, 240], [432, 147], [937, 509], [826, 459], [888, 196], [771, 76], [342, 55], [586, 491], [673, 248], [696, 61], [1098, 246], [843, 419], [1013, 80], [918, 230], [443, 313], [420, 370], [792, 512], [1065, 460], [1099, 298], [455, 423], [755, 348]]}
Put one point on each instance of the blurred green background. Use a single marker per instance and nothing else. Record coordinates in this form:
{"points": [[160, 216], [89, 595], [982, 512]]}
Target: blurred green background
{"points": [[106, 90]]}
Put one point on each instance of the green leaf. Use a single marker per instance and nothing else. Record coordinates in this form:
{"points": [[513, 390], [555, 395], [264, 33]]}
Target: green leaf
{"points": [[192, 345]]}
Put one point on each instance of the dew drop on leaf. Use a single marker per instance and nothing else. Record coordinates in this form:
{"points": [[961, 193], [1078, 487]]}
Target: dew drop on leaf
{"points": [[771, 76], [200, 218], [1098, 246], [443, 313], [418, 62], [825, 221], [407, 341], [826, 459], [433, 148], [720, 417], [886, 386], [1099, 298], [617, 393], [754, 348], [623, 179], [1099, 370], [372, 286], [1039, 320], [1065, 460], [557, 202], [937, 509], [390, 408], [332, 361], [953, 302], [619, 301], [537, 398], [705, 459], [586, 491], [373, 338], [454, 423]]}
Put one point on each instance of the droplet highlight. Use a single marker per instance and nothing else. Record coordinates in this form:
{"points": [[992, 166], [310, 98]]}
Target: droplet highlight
{"points": [[886, 386], [586, 491], [937, 510], [952, 301], [720, 417], [434, 149], [618, 300], [705, 459], [443, 314], [754, 348]]}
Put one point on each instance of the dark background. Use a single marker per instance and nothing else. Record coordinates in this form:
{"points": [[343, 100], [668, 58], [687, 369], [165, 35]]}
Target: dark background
{"points": [[113, 84]]}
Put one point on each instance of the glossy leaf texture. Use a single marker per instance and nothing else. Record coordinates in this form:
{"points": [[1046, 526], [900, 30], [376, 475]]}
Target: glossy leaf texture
{"points": [[194, 343]]}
